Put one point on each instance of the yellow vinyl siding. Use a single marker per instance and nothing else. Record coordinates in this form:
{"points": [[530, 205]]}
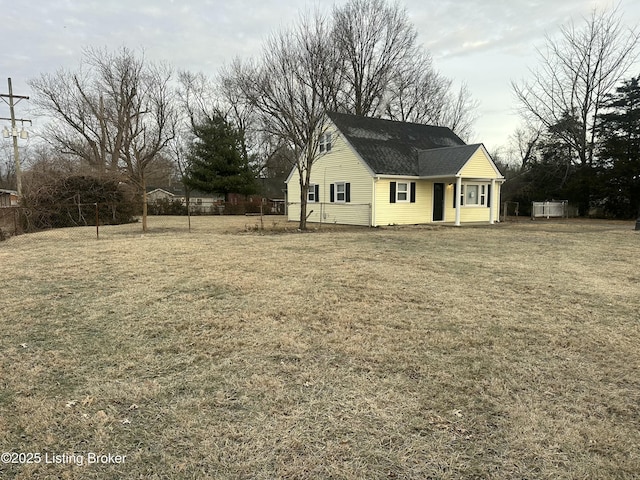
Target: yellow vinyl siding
{"points": [[478, 166], [471, 213], [341, 164], [403, 213], [474, 214]]}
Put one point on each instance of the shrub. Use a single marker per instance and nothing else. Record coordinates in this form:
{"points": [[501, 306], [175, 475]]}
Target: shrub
{"points": [[164, 206], [71, 201]]}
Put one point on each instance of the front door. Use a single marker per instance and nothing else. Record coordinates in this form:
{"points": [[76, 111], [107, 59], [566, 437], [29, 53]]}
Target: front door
{"points": [[438, 202]]}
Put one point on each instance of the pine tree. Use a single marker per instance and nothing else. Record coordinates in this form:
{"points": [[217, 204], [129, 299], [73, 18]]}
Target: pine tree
{"points": [[619, 158], [216, 162]]}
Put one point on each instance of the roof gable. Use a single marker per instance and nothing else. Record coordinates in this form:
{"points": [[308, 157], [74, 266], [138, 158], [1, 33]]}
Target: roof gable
{"points": [[445, 161], [390, 147]]}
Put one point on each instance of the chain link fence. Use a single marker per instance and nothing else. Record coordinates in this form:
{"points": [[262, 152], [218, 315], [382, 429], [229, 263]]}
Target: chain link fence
{"points": [[100, 220]]}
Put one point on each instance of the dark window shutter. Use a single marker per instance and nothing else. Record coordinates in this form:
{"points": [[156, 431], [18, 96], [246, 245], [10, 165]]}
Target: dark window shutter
{"points": [[392, 193], [489, 195], [347, 192], [413, 192], [455, 194], [332, 193], [317, 192]]}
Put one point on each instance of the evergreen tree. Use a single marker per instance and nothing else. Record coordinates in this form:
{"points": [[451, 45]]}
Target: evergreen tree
{"points": [[216, 162], [619, 159]]}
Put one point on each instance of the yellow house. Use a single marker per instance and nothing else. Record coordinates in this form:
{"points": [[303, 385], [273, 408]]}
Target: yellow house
{"points": [[376, 172]]}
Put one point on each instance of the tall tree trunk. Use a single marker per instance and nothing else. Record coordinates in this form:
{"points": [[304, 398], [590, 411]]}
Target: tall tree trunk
{"points": [[303, 207]]}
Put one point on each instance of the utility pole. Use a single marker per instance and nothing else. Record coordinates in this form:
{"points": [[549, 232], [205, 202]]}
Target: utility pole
{"points": [[14, 132]]}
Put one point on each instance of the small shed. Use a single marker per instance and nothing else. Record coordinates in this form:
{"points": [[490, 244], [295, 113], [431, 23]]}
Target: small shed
{"points": [[8, 198]]}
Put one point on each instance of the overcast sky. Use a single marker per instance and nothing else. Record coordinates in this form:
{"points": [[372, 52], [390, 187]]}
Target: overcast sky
{"points": [[484, 43]]}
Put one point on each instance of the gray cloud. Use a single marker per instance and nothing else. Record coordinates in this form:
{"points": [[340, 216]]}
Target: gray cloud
{"points": [[483, 43]]}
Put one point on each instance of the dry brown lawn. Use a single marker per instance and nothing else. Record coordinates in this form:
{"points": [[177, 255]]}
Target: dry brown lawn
{"points": [[505, 352]]}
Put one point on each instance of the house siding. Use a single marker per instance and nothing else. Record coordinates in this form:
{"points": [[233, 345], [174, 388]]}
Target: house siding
{"points": [[341, 164], [472, 213], [403, 213], [478, 166]]}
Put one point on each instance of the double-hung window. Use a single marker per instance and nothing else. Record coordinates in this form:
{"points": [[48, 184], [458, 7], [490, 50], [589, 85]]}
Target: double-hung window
{"points": [[340, 192], [402, 192], [313, 193], [325, 142]]}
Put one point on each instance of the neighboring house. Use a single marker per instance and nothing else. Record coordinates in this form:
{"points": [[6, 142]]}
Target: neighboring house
{"points": [[8, 198], [377, 172], [206, 201]]}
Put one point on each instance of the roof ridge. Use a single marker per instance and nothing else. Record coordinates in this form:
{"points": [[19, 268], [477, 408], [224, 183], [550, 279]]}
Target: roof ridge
{"points": [[380, 119]]}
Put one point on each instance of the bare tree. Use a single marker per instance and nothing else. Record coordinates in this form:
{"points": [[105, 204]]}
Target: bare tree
{"points": [[575, 74], [115, 113], [459, 112], [240, 113], [384, 72], [375, 40], [417, 93], [363, 59], [524, 143], [7, 167], [197, 97], [150, 127], [286, 89]]}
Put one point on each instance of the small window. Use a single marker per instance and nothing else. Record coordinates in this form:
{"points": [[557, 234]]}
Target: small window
{"points": [[313, 193], [402, 192], [340, 192], [325, 142], [199, 201]]}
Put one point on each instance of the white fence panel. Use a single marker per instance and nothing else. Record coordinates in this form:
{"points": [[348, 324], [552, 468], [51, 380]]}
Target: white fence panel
{"points": [[556, 209]]}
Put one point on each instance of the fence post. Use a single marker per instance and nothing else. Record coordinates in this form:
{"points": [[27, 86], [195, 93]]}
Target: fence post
{"points": [[189, 215], [97, 223]]}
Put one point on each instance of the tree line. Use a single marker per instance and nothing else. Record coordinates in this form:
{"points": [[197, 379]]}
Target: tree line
{"points": [[580, 140], [119, 115]]}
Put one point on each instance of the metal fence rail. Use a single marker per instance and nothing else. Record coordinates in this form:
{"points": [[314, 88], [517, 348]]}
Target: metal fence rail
{"points": [[95, 220]]}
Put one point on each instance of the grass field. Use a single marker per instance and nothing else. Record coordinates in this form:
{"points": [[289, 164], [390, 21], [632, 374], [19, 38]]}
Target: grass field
{"points": [[504, 352]]}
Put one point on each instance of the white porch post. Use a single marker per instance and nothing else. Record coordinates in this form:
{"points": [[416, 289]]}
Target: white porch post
{"points": [[457, 199], [493, 202]]}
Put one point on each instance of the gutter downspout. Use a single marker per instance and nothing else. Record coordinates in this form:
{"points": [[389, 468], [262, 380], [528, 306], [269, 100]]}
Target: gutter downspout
{"points": [[372, 222]]}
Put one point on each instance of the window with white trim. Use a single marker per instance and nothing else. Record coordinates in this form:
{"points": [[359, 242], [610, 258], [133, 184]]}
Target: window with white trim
{"points": [[325, 142], [402, 192], [474, 194], [471, 196], [311, 193], [341, 192]]}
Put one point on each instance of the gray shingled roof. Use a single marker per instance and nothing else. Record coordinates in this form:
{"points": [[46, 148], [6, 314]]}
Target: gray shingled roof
{"points": [[400, 148], [444, 161]]}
